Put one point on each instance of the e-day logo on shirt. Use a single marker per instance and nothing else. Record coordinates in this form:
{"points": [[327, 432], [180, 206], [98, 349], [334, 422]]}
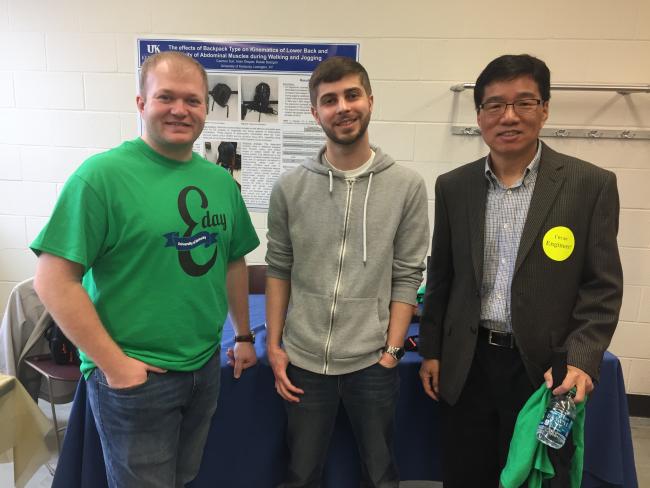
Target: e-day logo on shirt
{"points": [[188, 241]]}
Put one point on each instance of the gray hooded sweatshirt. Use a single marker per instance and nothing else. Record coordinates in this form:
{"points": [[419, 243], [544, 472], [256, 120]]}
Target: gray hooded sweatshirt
{"points": [[349, 248]]}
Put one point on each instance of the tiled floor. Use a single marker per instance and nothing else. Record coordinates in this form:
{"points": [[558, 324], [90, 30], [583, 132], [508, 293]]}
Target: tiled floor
{"points": [[640, 437], [641, 440]]}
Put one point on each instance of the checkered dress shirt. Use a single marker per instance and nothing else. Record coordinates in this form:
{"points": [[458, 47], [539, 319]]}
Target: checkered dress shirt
{"points": [[505, 215]]}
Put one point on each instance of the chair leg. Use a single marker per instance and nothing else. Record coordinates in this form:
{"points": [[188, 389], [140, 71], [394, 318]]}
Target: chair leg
{"points": [[56, 424]]}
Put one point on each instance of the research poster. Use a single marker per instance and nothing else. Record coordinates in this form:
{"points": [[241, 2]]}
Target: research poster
{"points": [[258, 123]]}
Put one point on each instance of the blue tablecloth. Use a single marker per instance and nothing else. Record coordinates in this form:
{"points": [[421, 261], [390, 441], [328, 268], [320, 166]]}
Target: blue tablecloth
{"points": [[246, 448]]}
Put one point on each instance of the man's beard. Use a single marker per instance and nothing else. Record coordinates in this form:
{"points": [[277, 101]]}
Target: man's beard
{"points": [[349, 140]]}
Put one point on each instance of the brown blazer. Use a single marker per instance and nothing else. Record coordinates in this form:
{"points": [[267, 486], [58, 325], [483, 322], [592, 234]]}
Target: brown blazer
{"points": [[574, 302]]}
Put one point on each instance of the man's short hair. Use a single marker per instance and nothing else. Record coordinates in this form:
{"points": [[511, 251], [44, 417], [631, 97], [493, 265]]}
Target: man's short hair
{"points": [[333, 69], [173, 57], [511, 66]]}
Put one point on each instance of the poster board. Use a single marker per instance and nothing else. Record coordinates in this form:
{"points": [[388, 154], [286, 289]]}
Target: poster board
{"points": [[259, 122]]}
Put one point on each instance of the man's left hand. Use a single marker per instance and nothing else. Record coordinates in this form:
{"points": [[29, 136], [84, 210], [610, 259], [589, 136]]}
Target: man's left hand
{"points": [[241, 357], [574, 377]]}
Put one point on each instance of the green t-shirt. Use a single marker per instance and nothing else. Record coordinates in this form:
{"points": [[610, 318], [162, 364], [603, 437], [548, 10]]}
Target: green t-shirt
{"points": [[155, 237]]}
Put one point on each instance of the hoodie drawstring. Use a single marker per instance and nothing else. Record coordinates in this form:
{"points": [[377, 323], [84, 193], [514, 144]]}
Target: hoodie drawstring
{"points": [[365, 211], [365, 208]]}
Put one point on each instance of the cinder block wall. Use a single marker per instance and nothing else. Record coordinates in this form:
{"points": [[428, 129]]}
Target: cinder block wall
{"points": [[67, 90]]}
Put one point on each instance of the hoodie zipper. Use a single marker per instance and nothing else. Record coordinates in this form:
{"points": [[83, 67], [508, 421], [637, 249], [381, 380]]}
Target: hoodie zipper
{"points": [[337, 285]]}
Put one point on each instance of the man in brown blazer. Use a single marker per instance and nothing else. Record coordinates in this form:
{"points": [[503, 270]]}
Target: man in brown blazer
{"points": [[524, 260]]}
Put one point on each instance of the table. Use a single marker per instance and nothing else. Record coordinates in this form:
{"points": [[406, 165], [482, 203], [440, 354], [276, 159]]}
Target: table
{"points": [[23, 428], [246, 448]]}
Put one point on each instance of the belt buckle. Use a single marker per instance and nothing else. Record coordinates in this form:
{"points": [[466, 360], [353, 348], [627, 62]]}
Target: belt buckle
{"points": [[497, 344]]}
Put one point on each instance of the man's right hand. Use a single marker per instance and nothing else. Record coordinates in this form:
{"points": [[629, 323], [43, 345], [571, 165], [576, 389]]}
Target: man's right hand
{"points": [[429, 374], [279, 361], [130, 373]]}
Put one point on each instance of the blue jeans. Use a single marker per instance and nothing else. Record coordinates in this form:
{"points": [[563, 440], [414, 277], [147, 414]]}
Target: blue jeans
{"points": [[153, 434], [369, 396]]}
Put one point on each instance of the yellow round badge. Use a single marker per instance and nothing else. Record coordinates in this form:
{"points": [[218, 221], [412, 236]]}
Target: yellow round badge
{"points": [[558, 243]]}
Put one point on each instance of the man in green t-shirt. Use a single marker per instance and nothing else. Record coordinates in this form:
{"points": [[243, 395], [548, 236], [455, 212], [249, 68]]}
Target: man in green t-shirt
{"points": [[139, 264]]}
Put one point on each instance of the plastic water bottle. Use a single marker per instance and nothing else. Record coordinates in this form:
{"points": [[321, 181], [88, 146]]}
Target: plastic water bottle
{"points": [[554, 428], [558, 420]]}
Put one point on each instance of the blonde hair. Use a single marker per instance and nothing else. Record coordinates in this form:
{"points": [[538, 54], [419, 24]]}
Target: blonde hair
{"points": [[173, 57]]}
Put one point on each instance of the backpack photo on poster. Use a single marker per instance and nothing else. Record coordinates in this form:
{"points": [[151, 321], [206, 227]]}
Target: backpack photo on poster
{"points": [[259, 99], [223, 97], [226, 154]]}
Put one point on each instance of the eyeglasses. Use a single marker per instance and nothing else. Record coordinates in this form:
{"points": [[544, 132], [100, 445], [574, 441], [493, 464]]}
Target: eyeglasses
{"points": [[521, 107]]}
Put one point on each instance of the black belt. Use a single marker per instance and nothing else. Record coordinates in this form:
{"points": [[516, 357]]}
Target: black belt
{"points": [[497, 338]]}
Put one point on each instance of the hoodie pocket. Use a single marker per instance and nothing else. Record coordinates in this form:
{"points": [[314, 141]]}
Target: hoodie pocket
{"points": [[357, 330], [307, 324]]}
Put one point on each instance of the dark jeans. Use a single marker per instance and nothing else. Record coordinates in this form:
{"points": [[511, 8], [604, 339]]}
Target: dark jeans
{"points": [[153, 434], [369, 396]]}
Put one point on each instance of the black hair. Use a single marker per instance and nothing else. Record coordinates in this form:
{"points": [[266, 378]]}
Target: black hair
{"points": [[511, 66]]}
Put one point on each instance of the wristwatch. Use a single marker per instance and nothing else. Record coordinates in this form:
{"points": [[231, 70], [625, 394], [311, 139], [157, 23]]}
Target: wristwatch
{"points": [[396, 352], [246, 338]]}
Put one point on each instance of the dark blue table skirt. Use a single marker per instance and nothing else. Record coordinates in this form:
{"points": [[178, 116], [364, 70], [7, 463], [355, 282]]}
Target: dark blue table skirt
{"points": [[246, 449]]}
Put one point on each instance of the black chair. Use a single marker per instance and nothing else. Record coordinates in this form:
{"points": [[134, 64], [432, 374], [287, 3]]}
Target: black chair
{"points": [[45, 365]]}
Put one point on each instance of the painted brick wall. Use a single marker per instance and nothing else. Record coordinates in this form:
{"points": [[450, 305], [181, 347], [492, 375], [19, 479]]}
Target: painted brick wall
{"points": [[67, 90]]}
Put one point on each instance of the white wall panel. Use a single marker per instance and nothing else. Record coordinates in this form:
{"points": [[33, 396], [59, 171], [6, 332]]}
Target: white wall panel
{"points": [[67, 90]]}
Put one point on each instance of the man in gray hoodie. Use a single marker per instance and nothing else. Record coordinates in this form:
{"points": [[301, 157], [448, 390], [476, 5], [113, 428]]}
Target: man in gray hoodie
{"points": [[348, 232]]}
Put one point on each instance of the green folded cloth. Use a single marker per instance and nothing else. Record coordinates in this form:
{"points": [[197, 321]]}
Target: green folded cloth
{"points": [[420, 294], [528, 461]]}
